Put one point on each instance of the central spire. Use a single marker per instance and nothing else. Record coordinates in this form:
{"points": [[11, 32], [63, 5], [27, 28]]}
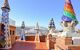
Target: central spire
{"points": [[5, 5], [37, 38]]}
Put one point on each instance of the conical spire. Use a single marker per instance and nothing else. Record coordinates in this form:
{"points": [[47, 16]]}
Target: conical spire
{"points": [[68, 14], [37, 34], [51, 24], [5, 5], [23, 25], [37, 26]]}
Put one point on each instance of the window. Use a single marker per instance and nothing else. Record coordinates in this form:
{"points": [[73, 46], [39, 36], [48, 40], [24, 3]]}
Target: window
{"points": [[13, 32], [10, 32]]}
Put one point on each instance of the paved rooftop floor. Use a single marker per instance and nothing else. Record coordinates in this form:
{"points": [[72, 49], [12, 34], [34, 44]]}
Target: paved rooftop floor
{"points": [[29, 45]]}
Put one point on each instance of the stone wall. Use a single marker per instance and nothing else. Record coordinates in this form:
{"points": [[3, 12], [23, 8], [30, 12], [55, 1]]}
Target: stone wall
{"points": [[12, 33], [32, 38], [65, 43]]}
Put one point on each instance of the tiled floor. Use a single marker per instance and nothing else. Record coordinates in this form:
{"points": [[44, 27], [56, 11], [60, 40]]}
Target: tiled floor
{"points": [[29, 45]]}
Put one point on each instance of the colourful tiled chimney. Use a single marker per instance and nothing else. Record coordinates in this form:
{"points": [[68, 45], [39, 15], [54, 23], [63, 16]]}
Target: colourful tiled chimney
{"points": [[51, 24], [69, 14], [5, 21]]}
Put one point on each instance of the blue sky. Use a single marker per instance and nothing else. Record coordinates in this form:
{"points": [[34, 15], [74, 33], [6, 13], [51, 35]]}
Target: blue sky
{"points": [[42, 11]]}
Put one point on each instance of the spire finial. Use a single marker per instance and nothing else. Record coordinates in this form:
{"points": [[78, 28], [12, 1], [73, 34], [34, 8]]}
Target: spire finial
{"points": [[5, 5], [37, 26]]}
